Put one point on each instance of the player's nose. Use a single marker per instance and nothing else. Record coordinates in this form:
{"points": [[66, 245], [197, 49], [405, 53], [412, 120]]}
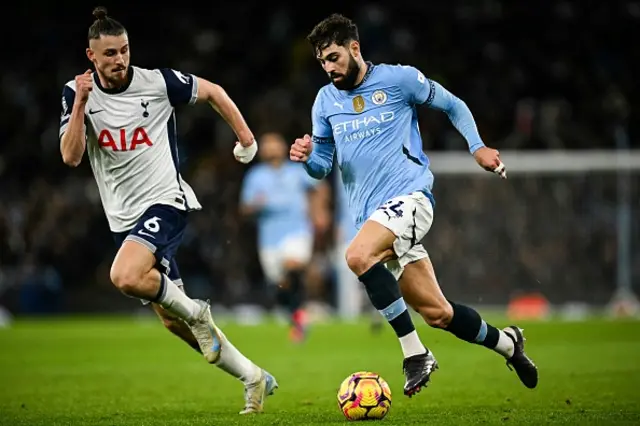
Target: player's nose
{"points": [[329, 67]]}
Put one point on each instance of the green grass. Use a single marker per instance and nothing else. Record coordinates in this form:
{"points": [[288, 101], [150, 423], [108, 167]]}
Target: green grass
{"points": [[131, 372]]}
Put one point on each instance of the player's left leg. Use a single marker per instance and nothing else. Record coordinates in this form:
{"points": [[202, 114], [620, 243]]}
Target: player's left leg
{"points": [[258, 382], [171, 322], [421, 290]]}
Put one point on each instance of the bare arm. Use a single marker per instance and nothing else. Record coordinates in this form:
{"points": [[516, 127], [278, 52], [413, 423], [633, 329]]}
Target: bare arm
{"points": [[224, 105]]}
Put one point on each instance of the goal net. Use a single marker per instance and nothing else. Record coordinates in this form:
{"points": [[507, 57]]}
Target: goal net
{"points": [[564, 225]]}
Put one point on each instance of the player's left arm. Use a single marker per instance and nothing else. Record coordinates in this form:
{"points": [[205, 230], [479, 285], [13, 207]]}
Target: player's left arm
{"points": [[189, 89], [220, 101], [421, 90]]}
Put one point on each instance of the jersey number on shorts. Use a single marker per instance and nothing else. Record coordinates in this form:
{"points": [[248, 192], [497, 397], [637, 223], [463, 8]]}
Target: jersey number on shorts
{"points": [[394, 208], [152, 225]]}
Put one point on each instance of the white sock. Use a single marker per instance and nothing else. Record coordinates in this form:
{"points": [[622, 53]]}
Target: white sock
{"points": [[411, 345], [505, 346], [174, 300], [232, 361]]}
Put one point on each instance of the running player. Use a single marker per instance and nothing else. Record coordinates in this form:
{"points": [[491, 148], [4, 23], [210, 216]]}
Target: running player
{"points": [[368, 117], [123, 117]]}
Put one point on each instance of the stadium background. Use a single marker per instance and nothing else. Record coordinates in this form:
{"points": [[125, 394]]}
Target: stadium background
{"points": [[559, 76]]}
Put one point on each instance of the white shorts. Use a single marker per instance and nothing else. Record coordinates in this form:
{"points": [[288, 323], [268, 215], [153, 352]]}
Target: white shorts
{"points": [[409, 217], [297, 248]]}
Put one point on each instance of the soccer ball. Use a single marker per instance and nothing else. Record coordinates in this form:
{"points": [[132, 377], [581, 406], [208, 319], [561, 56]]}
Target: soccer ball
{"points": [[364, 396]]}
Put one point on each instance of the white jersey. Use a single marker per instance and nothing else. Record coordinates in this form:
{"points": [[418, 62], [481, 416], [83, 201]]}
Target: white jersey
{"points": [[132, 142]]}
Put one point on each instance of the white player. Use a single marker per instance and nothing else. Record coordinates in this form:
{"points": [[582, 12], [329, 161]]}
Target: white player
{"points": [[123, 116]]}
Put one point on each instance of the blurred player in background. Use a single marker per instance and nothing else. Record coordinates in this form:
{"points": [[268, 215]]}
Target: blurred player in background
{"points": [[283, 199], [368, 117], [123, 116], [350, 295]]}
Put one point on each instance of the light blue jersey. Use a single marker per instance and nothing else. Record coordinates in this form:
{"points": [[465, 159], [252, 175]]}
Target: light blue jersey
{"points": [[374, 131], [282, 193]]}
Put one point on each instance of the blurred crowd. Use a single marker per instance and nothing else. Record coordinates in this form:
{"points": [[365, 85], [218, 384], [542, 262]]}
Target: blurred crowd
{"points": [[559, 75]]}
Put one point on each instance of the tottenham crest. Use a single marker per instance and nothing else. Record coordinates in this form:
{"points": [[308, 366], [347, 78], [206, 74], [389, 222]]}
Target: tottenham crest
{"points": [[358, 104], [379, 97]]}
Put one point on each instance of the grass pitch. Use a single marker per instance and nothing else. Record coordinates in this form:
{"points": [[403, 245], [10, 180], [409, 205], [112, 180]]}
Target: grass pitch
{"points": [[125, 371]]}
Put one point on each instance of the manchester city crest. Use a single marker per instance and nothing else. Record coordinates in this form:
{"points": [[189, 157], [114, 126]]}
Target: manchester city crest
{"points": [[379, 97]]}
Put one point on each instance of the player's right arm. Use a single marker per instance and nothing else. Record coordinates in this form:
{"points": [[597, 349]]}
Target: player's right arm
{"points": [[72, 130], [316, 152]]}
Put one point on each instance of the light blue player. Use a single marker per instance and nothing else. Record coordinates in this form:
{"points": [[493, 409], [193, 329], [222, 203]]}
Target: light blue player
{"points": [[368, 117], [279, 194]]}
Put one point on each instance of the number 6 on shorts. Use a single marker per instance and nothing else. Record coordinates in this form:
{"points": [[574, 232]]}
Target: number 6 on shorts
{"points": [[152, 225]]}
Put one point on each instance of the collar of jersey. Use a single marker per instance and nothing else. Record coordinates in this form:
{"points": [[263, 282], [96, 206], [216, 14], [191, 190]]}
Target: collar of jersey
{"points": [[115, 90], [370, 67]]}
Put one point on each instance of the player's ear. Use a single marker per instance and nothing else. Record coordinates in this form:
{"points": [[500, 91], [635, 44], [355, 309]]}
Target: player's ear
{"points": [[354, 47], [90, 54]]}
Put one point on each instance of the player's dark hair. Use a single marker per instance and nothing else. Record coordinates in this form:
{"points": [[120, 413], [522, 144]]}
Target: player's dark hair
{"points": [[336, 29], [103, 25]]}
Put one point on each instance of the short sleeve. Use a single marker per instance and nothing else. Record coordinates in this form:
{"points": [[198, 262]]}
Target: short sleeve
{"points": [[68, 96], [182, 89]]}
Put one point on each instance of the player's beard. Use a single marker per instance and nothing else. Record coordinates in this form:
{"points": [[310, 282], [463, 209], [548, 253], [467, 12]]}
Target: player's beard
{"points": [[118, 78], [349, 79]]}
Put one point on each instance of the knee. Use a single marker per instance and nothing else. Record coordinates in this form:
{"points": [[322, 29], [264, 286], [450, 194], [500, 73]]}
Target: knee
{"points": [[125, 279], [437, 316], [358, 260]]}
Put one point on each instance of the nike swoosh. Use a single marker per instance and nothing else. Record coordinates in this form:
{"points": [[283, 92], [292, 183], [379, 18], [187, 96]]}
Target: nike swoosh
{"points": [[91, 112]]}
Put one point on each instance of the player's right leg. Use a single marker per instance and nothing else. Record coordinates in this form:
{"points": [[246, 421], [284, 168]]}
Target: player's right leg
{"points": [[372, 247], [421, 290], [134, 274]]}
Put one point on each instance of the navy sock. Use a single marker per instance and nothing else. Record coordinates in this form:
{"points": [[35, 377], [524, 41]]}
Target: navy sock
{"points": [[384, 293], [467, 325]]}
